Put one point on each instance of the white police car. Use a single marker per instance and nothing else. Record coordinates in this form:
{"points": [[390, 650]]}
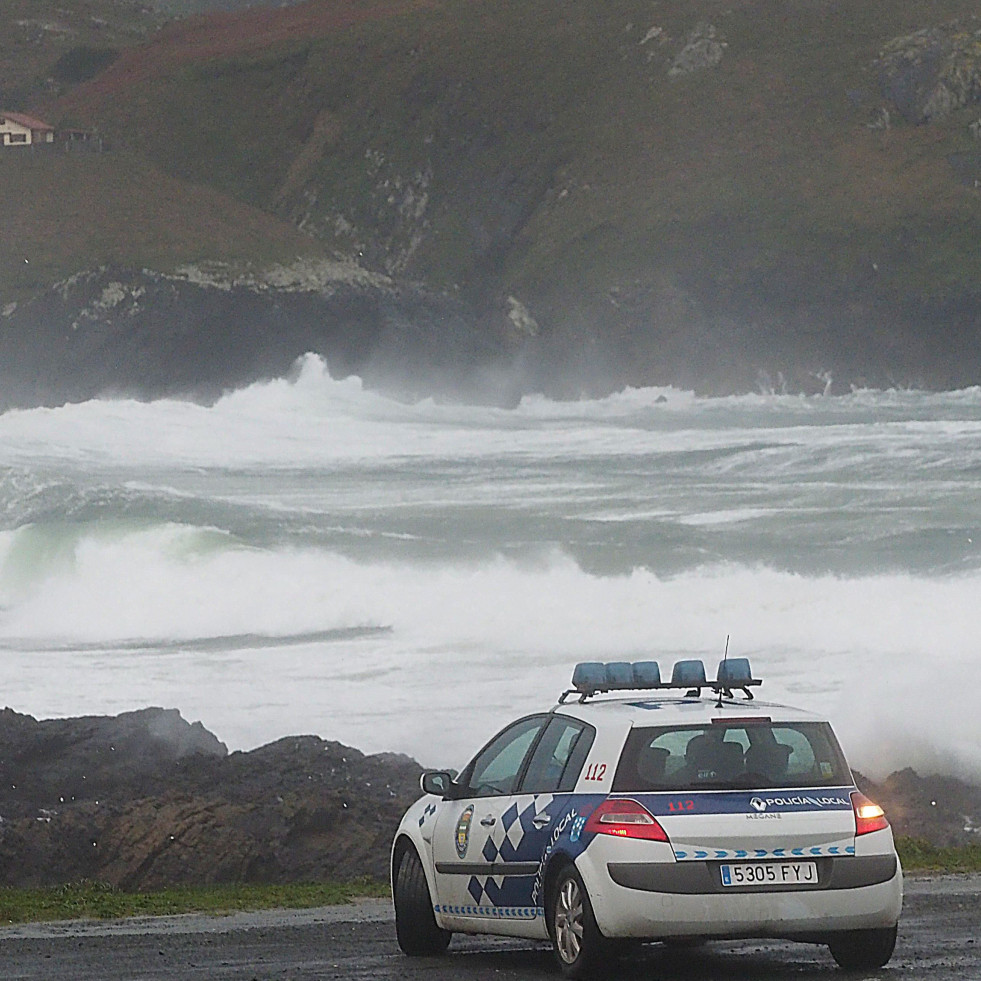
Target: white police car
{"points": [[655, 816]]}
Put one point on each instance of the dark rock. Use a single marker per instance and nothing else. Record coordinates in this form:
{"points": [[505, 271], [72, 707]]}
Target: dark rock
{"points": [[934, 72], [55, 762], [703, 49], [139, 334], [938, 809], [146, 335], [145, 801]]}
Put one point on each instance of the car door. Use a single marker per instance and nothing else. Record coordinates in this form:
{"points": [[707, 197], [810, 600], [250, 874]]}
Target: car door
{"points": [[470, 831], [545, 808], [512, 830]]}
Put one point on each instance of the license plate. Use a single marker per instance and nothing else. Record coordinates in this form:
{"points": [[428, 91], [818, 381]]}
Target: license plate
{"points": [[770, 874]]}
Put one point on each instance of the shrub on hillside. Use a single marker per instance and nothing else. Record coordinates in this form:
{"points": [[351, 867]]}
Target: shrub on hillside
{"points": [[83, 62]]}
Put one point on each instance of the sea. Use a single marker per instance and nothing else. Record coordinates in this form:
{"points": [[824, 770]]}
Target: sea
{"points": [[306, 556]]}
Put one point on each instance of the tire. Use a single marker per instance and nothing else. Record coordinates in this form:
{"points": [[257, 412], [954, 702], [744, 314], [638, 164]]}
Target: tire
{"points": [[863, 950], [581, 951], [416, 929]]}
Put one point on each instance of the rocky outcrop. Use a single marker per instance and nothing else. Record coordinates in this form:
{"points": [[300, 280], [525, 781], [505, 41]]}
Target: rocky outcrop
{"points": [[146, 800], [940, 810], [704, 201], [48, 764], [201, 332], [934, 72], [703, 49]]}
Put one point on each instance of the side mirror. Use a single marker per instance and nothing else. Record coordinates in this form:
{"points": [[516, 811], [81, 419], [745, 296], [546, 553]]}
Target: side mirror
{"points": [[437, 782]]}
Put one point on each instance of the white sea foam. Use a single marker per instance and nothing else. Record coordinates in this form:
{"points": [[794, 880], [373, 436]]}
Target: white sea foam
{"points": [[218, 559], [311, 418], [470, 644]]}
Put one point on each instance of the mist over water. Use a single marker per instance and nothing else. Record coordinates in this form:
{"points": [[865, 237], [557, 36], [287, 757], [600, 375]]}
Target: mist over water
{"points": [[305, 556]]}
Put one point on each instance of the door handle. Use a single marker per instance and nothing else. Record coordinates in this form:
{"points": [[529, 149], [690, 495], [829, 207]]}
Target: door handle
{"points": [[540, 820], [488, 821]]}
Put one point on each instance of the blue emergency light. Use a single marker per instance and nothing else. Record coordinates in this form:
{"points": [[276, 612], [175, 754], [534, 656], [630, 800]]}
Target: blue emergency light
{"points": [[688, 674], [734, 672], [595, 677]]}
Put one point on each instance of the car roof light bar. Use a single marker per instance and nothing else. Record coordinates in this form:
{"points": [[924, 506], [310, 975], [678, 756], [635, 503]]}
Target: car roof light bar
{"points": [[591, 678]]}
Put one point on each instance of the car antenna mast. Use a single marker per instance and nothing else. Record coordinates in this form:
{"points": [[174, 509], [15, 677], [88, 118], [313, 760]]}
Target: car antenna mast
{"points": [[723, 691]]}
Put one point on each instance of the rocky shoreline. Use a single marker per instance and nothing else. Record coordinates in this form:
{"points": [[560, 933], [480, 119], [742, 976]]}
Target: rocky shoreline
{"points": [[201, 332], [198, 334], [145, 800]]}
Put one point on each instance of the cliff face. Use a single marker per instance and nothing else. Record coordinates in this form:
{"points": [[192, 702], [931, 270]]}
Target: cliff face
{"points": [[146, 335], [197, 334]]}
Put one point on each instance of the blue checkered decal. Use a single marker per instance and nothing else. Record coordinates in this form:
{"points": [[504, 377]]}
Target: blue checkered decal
{"points": [[701, 854], [494, 912], [515, 850], [515, 838]]}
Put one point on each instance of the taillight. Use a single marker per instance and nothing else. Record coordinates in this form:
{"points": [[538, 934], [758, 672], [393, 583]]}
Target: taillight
{"points": [[626, 819], [868, 815]]}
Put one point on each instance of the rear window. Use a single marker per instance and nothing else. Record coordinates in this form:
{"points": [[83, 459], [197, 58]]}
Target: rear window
{"points": [[757, 755]]}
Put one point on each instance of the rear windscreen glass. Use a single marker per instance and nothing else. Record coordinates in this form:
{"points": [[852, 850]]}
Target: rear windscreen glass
{"points": [[731, 756]]}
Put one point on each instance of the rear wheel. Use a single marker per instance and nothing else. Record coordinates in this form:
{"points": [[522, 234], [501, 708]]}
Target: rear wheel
{"points": [[863, 950], [580, 949], [416, 929]]}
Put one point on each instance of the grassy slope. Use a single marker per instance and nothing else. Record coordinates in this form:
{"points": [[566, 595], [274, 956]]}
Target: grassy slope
{"points": [[119, 209], [67, 213], [918, 855], [34, 34], [769, 139], [556, 157]]}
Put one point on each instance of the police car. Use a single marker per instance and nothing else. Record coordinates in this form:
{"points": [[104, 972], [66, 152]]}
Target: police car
{"points": [[644, 809]]}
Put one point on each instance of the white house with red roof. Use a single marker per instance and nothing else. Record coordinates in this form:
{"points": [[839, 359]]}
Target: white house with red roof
{"points": [[18, 129]]}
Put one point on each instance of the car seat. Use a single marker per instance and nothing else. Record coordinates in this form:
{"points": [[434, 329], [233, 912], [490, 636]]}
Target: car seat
{"points": [[651, 764], [768, 759]]}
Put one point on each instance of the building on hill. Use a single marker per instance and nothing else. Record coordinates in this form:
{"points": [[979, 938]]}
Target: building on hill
{"points": [[18, 129]]}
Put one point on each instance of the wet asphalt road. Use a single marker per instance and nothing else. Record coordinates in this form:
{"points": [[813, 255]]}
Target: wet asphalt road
{"points": [[938, 940]]}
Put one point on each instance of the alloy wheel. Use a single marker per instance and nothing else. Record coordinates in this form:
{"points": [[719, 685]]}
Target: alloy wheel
{"points": [[569, 921]]}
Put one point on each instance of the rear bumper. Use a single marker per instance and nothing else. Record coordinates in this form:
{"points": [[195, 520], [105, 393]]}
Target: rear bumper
{"points": [[656, 901], [704, 878]]}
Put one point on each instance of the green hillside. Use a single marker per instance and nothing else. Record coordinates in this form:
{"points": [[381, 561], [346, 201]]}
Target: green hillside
{"points": [[630, 171], [186, 8], [40, 41], [118, 209]]}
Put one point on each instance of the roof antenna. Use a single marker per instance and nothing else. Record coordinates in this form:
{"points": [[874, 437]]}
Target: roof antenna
{"points": [[724, 691]]}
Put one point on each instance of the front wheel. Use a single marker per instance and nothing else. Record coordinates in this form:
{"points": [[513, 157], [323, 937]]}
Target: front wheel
{"points": [[579, 947], [863, 950], [416, 929]]}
